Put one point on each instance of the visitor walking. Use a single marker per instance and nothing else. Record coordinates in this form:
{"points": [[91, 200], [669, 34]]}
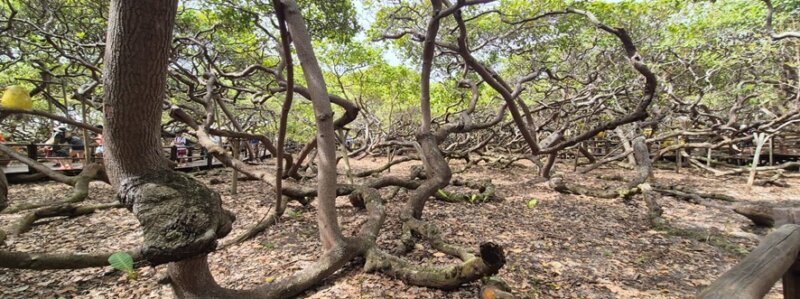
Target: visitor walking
{"points": [[98, 139], [180, 144]]}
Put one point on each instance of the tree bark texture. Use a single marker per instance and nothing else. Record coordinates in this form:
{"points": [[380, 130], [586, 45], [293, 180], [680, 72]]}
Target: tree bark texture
{"points": [[180, 217], [136, 58]]}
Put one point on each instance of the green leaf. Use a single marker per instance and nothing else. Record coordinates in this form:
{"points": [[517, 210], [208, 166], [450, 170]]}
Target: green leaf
{"points": [[124, 262], [532, 203]]}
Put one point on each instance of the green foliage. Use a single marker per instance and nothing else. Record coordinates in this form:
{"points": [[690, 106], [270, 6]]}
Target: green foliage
{"points": [[532, 203], [124, 262], [723, 38], [333, 19], [268, 245], [443, 194], [295, 214]]}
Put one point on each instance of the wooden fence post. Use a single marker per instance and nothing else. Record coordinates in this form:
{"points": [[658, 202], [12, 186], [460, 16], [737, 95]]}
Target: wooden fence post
{"points": [[791, 282], [235, 178], [755, 275], [771, 150], [33, 154], [173, 153]]}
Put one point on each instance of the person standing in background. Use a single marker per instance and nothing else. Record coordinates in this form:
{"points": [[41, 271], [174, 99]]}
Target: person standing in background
{"points": [[76, 147], [98, 139], [180, 143], [55, 148]]}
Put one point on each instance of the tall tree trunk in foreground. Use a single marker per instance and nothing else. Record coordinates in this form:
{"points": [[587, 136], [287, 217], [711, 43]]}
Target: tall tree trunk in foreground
{"points": [[438, 172], [136, 59], [192, 278], [330, 233]]}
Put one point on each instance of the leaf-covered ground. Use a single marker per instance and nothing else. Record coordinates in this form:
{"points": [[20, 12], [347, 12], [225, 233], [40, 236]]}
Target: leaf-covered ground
{"points": [[565, 246]]}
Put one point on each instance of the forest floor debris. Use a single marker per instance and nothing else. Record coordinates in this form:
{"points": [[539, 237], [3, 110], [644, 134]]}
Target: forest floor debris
{"points": [[563, 246]]}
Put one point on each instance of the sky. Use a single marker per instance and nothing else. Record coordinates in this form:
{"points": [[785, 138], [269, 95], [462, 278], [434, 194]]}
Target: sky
{"points": [[365, 17]]}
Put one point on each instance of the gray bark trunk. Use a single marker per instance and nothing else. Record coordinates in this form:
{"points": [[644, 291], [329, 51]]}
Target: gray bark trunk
{"points": [[136, 59]]}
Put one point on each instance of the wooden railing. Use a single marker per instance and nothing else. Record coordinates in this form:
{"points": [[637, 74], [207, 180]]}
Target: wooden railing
{"points": [[36, 152], [753, 277]]}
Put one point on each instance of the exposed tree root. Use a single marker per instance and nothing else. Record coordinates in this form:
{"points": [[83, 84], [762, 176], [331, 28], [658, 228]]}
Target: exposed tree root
{"points": [[775, 180], [356, 199], [26, 178], [617, 178], [490, 261], [432, 234], [644, 170], [560, 185], [486, 192], [689, 194], [739, 170], [654, 210], [191, 277], [596, 164], [79, 193], [272, 218], [80, 183]]}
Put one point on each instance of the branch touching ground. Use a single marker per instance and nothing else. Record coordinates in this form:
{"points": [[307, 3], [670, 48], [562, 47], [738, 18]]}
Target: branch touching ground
{"points": [[485, 188], [43, 261], [79, 193], [66, 210], [489, 262]]}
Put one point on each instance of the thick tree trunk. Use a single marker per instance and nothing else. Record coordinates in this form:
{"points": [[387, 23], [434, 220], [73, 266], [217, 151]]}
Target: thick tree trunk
{"points": [[3, 191], [547, 168], [759, 140], [641, 156], [136, 57], [438, 176]]}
